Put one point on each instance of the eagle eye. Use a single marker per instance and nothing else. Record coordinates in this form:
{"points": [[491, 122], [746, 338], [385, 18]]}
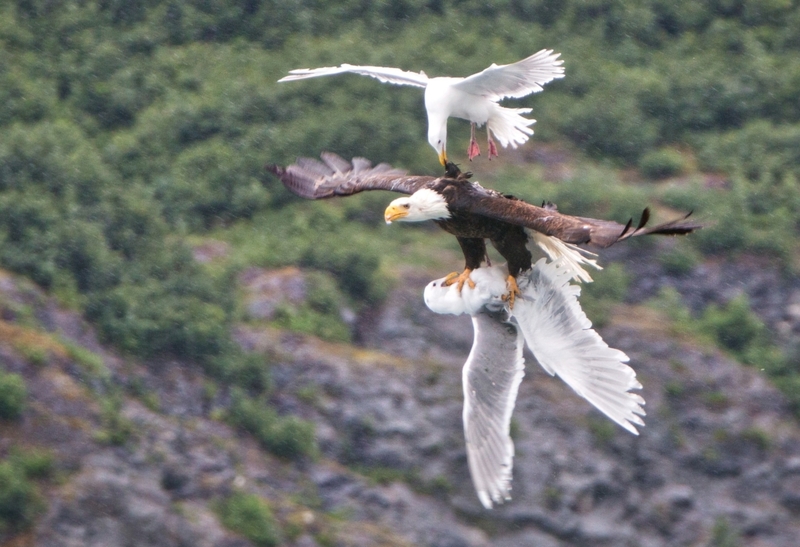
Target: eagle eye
{"points": [[406, 205]]}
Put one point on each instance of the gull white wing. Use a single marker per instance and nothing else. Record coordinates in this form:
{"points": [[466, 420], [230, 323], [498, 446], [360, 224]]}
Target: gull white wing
{"points": [[515, 80], [561, 338], [384, 74], [491, 378]]}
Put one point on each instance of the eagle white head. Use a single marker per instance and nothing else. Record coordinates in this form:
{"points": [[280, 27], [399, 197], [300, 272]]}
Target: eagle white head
{"points": [[424, 204]]}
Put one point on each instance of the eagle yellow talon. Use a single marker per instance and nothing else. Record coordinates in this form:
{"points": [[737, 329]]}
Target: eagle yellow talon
{"points": [[513, 291], [460, 279]]}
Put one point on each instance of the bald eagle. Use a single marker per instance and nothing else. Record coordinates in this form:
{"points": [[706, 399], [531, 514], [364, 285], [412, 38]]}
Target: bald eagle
{"points": [[470, 212], [473, 98], [549, 319]]}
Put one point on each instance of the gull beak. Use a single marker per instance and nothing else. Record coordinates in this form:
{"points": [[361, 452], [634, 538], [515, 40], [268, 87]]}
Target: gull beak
{"points": [[443, 157], [394, 212]]}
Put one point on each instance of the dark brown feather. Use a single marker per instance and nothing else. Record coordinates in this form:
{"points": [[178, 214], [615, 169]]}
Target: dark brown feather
{"points": [[313, 179], [477, 213]]}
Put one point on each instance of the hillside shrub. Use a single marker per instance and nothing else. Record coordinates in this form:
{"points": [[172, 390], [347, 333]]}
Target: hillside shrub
{"points": [[19, 500], [285, 436], [13, 396], [662, 163], [250, 516]]}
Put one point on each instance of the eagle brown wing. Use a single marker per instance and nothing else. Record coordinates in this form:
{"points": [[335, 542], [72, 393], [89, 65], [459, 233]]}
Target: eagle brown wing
{"points": [[570, 229], [335, 176]]}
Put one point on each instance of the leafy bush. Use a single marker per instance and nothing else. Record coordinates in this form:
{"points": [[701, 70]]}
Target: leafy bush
{"points": [[13, 396], [19, 500], [610, 286], [34, 463], [250, 516], [734, 326], [117, 429], [662, 163], [680, 260], [288, 437]]}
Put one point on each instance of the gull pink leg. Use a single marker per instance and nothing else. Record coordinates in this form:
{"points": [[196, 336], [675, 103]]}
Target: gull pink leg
{"points": [[492, 147], [473, 149]]}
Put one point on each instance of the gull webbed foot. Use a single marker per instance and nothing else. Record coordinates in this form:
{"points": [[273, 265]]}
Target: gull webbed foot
{"points": [[459, 279], [492, 149]]}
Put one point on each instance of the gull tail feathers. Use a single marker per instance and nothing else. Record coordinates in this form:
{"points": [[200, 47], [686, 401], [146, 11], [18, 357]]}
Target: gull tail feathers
{"points": [[508, 126]]}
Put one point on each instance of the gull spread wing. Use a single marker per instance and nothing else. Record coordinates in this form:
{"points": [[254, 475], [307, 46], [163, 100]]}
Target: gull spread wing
{"points": [[335, 176], [384, 74], [515, 80], [561, 338], [491, 378]]}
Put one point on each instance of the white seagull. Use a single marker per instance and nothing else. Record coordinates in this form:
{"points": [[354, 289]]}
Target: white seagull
{"points": [[550, 320], [473, 98]]}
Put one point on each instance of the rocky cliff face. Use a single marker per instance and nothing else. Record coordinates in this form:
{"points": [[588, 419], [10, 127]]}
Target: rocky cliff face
{"points": [[717, 464]]}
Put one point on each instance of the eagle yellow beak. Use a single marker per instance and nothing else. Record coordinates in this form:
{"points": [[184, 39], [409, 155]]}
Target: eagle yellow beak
{"points": [[394, 212], [443, 157]]}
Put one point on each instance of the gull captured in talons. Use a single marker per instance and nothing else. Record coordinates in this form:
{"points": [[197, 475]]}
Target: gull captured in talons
{"points": [[549, 319], [473, 98]]}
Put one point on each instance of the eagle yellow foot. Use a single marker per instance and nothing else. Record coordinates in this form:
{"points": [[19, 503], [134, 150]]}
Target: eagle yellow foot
{"points": [[460, 279], [513, 291]]}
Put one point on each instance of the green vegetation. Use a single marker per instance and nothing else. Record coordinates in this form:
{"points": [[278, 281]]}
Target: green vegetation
{"points": [[142, 124], [132, 129], [285, 436], [20, 500], [736, 329], [116, 428], [664, 162], [13, 396], [598, 298], [724, 535], [250, 516]]}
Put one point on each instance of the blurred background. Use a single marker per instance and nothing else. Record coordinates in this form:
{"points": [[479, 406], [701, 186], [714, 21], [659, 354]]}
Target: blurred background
{"points": [[189, 355]]}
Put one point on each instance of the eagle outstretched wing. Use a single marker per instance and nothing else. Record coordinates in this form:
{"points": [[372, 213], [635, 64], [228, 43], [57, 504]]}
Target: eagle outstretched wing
{"points": [[335, 176], [567, 228]]}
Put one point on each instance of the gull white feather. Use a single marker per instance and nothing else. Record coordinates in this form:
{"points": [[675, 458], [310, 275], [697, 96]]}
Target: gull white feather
{"points": [[549, 319], [473, 98]]}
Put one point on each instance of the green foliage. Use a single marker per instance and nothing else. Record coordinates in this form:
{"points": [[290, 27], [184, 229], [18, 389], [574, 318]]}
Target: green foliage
{"points": [[116, 428], [90, 362], [13, 396], [288, 437], [680, 260], [250, 516], [127, 126], [34, 463], [724, 535], [734, 326], [610, 286], [737, 329], [19, 499], [662, 163]]}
